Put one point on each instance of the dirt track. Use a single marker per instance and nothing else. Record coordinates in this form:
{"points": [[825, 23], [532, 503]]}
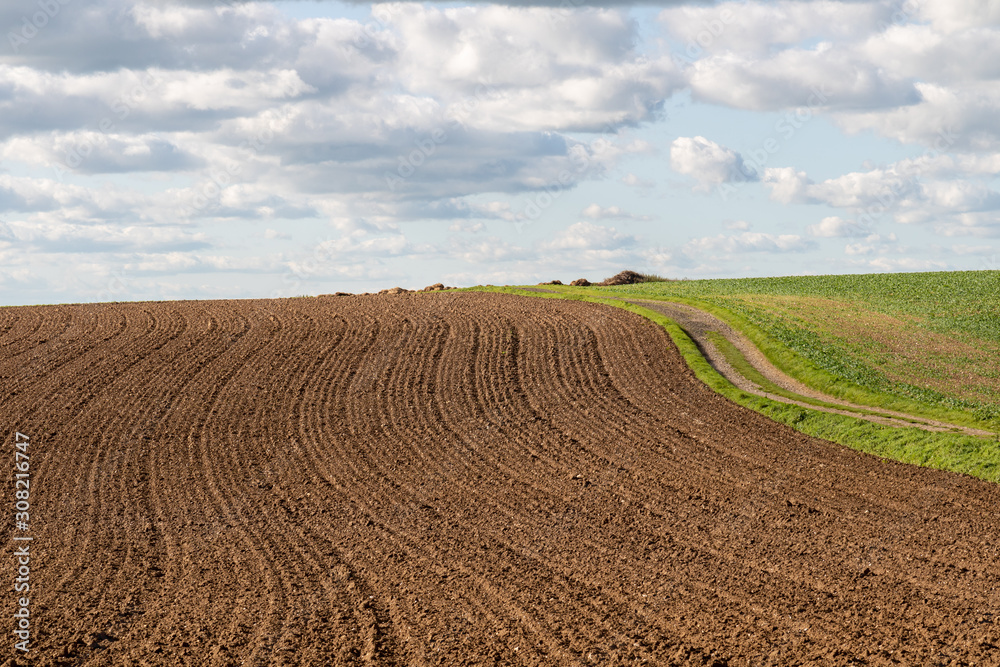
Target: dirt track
{"points": [[457, 479], [698, 324]]}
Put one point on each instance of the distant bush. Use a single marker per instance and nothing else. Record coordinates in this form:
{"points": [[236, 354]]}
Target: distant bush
{"points": [[632, 278]]}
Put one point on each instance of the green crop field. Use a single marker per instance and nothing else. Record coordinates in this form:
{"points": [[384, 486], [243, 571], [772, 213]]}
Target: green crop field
{"points": [[925, 343]]}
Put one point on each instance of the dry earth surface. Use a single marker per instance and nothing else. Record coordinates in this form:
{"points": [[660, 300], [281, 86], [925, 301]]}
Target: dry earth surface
{"points": [[457, 479]]}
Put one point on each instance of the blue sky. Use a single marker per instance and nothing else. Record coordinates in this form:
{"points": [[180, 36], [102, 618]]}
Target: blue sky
{"points": [[167, 149]]}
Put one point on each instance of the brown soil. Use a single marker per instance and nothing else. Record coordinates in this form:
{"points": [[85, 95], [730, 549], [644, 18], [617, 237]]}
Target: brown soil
{"points": [[457, 479]]}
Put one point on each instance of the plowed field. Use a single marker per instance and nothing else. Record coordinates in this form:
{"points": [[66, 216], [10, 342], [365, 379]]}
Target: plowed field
{"points": [[456, 479]]}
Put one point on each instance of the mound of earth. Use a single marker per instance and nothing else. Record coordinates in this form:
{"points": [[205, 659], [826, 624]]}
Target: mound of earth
{"points": [[623, 278], [457, 479]]}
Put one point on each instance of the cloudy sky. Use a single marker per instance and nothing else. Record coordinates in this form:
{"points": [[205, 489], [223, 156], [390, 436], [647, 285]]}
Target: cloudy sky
{"points": [[164, 149]]}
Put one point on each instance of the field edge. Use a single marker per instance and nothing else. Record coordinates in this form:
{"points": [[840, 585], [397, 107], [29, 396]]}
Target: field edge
{"points": [[963, 454]]}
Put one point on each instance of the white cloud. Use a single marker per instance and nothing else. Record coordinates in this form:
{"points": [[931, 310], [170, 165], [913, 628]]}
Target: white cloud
{"points": [[597, 212], [834, 226], [491, 249], [894, 264], [707, 162], [747, 242], [813, 79], [962, 249], [787, 185], [454, 114], [950, 16], [954, 201], [588, 236], [757, 28], [529, 68], [634, 181]]}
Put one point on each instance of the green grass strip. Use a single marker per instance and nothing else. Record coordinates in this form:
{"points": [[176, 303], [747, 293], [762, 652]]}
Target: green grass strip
{"points": [[955, 452]]}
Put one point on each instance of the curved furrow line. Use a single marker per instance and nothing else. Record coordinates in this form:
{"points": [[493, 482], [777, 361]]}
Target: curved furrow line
{"points": [[581, 421], [174, 367], [111, 466], [597, 614], [616, 416], [372, 615], [393, 367], [64, 397], [577, 346], [92, 423], [24, 371], [485, 406], [313, 550], [414, 406], [799, 580], [464, 479], [60, 501], [530, 429], [486, 466], [452, 446], [647, 385], [350, 471], [309, 568], [346, 473], [9, 319], [478, 466], [24, 332], [724, 457], [381, 360], [204, 563]]}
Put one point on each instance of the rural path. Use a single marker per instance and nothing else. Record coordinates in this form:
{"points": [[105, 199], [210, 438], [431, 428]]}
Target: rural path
{"points": [[698, 324], [456, 479]]}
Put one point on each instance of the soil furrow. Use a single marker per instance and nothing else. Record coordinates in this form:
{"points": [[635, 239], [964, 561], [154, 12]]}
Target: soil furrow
{"points": [[460, 479]]}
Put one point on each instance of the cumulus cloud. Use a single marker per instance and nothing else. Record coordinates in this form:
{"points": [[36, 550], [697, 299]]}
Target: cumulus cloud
{"points": [[385, 114], [62, 237], [707, 162], [588, 236], [948, 192], [816, 78], [897, 264], [758, 28]]}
